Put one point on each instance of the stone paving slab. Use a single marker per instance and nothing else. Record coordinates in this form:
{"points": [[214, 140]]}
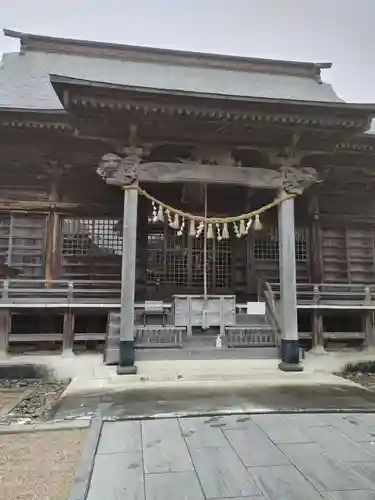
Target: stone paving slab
{"points": [[237, 457]]}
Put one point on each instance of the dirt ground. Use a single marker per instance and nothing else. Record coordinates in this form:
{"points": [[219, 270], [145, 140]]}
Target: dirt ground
{"points": [[40, 465]]}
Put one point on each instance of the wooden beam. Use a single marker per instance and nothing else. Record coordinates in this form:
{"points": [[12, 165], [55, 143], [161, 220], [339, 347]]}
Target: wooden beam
{"points": [[164, 172], [35, 205]]}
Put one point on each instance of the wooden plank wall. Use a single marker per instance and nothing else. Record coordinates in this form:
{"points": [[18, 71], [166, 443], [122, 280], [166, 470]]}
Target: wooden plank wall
{"points": [[348, 254]]}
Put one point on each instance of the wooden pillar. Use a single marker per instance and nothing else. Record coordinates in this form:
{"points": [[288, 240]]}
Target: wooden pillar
{"points": [[5, 321], [288, 288], [315, 264], [128, 279], [317, 326], [124, 172], [52, 244], [317, 331], [368, 327], [68, 333], [142, 250], [368, 321]]}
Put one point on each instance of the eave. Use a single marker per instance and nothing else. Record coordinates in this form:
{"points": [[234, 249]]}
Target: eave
{"points": [[83, 94], [35, 119]]}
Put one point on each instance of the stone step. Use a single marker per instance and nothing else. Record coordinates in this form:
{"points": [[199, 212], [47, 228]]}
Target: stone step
{"points": [[197, 353]]}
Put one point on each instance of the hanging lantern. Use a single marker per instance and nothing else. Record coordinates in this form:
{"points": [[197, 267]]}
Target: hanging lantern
{"points": [[176, 222], [192, 231], [210, 232], [160, 214], [258, 226], [225, 232], [242, 227]]}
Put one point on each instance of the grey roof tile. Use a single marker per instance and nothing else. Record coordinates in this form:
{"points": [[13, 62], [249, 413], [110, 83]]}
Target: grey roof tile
{"points": [[25, 81]]}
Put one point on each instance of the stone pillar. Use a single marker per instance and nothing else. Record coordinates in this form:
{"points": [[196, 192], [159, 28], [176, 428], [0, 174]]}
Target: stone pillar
{"points": [[288, 299], [128, 271]]}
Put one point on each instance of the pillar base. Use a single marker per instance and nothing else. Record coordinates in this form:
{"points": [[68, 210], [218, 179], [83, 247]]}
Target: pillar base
{"points": [[318, 350], [290, 356], [290, 367], [67, 353], [126, 370], [126, 358]]}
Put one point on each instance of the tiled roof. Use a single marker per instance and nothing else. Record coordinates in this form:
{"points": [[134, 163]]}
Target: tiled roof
{"points": [[25, 79]]}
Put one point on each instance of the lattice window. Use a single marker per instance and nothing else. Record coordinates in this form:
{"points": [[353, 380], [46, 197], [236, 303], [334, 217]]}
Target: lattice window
{"points": [[84, 236], [302, 248], [179, 260], [156, 255], [219, 263], [22, 243], [266, 246]]}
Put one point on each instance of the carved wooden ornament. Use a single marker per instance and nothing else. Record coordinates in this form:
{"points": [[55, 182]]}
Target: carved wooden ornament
{"points": [[120, 171]]}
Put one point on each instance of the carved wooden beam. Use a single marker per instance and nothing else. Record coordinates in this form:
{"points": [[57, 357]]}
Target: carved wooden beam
{"points": [[124, 171], [168, 172], [36, 205]]}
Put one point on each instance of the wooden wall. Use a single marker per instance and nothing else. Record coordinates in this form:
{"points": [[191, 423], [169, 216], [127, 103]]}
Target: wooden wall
{"points": [[335, 230]]}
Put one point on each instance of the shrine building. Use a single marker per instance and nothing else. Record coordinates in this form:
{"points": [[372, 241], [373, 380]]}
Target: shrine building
{"points": [[154, 198]]}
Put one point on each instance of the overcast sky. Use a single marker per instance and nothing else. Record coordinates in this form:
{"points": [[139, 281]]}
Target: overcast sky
{"points": [[338, 31]]}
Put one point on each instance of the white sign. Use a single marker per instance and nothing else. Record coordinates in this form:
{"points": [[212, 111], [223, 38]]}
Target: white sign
{"points": [[256, 308]]}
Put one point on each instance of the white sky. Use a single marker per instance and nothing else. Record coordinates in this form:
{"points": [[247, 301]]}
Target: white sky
{"points": [[338, 31]]}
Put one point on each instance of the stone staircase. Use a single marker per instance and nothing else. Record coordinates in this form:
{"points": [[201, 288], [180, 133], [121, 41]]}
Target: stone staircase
{"points": [[250, 338], [202, 346]]}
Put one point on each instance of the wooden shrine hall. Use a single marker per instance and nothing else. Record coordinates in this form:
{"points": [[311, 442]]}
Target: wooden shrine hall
{"points": [[154, 198]]}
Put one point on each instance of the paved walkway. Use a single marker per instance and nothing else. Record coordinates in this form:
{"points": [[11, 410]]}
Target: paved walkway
{"points": [[283, 457]]}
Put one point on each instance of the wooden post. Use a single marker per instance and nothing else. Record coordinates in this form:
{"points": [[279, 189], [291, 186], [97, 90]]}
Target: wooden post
{"points": [[5, 319], [368, 326], [317, 332], [126, 359], [288, 288], [124, 172], [368, 320], [317, 326], [315, 267], [52, 239], [68, 333]]}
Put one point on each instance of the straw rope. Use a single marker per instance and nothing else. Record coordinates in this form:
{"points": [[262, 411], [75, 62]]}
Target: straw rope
{"points": [[212, 220]]}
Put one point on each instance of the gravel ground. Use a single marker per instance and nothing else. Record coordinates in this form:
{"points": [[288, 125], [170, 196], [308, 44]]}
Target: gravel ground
{"points": [[40, 465], [365, 379], [37, 404]]}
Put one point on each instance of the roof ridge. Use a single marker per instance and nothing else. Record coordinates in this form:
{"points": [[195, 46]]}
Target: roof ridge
{"points": [[31, 41]]}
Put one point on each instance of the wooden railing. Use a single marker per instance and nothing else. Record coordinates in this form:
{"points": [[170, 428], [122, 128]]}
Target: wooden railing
{"points": [[331, 295], [29, 293]]}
